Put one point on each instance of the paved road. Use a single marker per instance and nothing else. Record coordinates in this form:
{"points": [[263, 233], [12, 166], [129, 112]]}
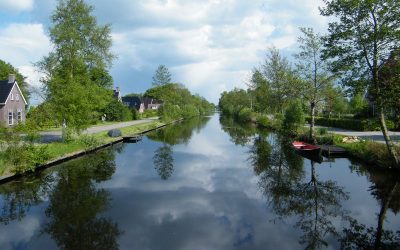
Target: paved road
{"points": [[50, 136], [366, 135]]}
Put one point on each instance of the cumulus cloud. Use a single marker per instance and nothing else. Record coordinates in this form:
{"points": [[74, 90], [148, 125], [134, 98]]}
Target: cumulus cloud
{"points": [[210, 46], [23, 44], [16, 5]]}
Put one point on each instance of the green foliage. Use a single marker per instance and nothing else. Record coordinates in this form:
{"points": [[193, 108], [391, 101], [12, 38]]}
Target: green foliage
{"points": [[322, 131], [231, 103], [282, 80], [352, 124], [149, 113], [261, 92], [161, 76], [178, 102], [77, 82], [264, 121], [245, 115], [6, 69], [89, 141], [358, 104], [117, 111], [294, 117], [23, 156]]}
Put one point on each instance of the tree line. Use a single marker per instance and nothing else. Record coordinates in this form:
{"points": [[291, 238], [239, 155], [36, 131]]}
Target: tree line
{"points": [[356, 64]]}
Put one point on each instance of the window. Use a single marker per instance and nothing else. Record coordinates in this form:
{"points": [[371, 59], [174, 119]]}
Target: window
{"points": [[12, 97], [19, 115], [10, 117], [17, 97]]}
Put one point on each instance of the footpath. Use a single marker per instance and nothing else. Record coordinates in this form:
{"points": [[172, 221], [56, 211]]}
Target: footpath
{"points": [[376, 136], [51, 136]]}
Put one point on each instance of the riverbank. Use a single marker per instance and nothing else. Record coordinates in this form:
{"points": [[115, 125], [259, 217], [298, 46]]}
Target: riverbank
{"points": [[61, 152]]}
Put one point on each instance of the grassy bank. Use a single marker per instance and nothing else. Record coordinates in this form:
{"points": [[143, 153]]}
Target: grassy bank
{"points": [[42, 153]]}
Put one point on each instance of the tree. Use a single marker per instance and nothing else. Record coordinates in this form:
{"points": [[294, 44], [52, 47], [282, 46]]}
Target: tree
{"points": [[281, 78], [294, 117], [359, 43], [161, 76], [313, 70], [117, 111], [260, 91], [77, 81], [6, 69]]}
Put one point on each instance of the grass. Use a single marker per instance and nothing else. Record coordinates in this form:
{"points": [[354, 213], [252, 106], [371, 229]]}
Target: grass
{"points": [[56, 150]]}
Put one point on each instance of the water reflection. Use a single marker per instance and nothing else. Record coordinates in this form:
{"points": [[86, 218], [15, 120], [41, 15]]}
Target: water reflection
{"points": [[76, 204], [386, 189], [240, 133], [180, 133], [19, 196], [163, 161], [313, 202]]}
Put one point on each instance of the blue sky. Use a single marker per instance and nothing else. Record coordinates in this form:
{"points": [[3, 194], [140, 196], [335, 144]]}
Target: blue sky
{"points": [[208, 45]]}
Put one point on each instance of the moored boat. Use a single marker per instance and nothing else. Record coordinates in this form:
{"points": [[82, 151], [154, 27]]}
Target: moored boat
{"points": [[307, 150]]}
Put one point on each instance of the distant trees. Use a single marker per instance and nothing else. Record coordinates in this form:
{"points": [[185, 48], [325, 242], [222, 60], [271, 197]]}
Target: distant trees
{"points": [[360, 41], [162, 76], [178, 102], [77, 82]]}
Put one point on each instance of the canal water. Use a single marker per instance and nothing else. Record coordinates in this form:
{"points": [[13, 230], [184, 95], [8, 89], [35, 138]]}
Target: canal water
{"points": [[207, 183]]}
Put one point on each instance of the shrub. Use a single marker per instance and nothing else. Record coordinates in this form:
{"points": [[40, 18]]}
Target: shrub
{"points": [[189, 111], [89, 141], [117, 111], [245, 115], [294, 117], [352, 124], [322, 131], [263, 121]]}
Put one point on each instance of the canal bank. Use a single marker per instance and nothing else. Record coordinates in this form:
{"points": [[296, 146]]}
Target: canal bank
{"points": [[129, 131]]}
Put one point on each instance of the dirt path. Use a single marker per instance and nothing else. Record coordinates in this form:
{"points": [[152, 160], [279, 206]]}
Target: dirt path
{"points": [[50, 136]]}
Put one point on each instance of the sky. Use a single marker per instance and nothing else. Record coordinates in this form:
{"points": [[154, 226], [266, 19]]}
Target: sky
{"points": [[210, 46]]}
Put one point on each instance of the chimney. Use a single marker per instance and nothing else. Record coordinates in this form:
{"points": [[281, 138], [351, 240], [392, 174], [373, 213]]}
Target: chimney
{"points": [[11, 78]]}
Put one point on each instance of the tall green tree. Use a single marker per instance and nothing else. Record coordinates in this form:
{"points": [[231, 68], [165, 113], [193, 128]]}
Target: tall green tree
{"points": [[360, 40], [77, 81], [6, 69], [313, 71], [260, 91], [281, 78], [162, 76]]}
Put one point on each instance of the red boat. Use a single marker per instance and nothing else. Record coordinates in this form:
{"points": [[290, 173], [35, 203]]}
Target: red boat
{"points": [[302, 146], [309, 151]]}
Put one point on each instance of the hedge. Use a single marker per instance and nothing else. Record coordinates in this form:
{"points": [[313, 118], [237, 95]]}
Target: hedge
{"points": [[352, 124]]}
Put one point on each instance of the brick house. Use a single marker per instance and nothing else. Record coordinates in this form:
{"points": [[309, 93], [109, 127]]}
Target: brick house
{"points": [[12, 102]]}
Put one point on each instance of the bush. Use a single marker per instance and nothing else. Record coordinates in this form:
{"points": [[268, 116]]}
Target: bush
{"points": [[117, 111], [263, 121], [245, 115], [352, 124], [89, 142], [189, 111], [169, 112], [294, 117]]}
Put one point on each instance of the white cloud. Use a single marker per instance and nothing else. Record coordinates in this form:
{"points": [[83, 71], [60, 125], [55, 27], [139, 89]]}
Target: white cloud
{"points": [[16, 5], [22, 45]]}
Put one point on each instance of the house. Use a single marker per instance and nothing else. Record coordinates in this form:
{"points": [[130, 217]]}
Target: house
{"points": [[117, 94], [141, 103], [12, 102]]}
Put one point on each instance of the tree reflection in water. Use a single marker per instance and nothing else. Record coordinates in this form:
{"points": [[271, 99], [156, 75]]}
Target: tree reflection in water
{"points": [[19, 196], [315, 203], [76, 205], [240, 133], [180, 133], [386, 189], [163, 161]]}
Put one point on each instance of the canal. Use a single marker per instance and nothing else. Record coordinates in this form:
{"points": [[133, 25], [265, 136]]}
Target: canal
{"points": [[206, 183]]}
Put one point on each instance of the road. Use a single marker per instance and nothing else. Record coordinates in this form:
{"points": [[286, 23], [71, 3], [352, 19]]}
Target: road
{"points": [[51, 136], [366, 135]]}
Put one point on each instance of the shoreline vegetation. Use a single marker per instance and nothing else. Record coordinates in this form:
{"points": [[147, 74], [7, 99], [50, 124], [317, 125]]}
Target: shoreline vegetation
{"points": [[57, 152], [367, 151]]}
